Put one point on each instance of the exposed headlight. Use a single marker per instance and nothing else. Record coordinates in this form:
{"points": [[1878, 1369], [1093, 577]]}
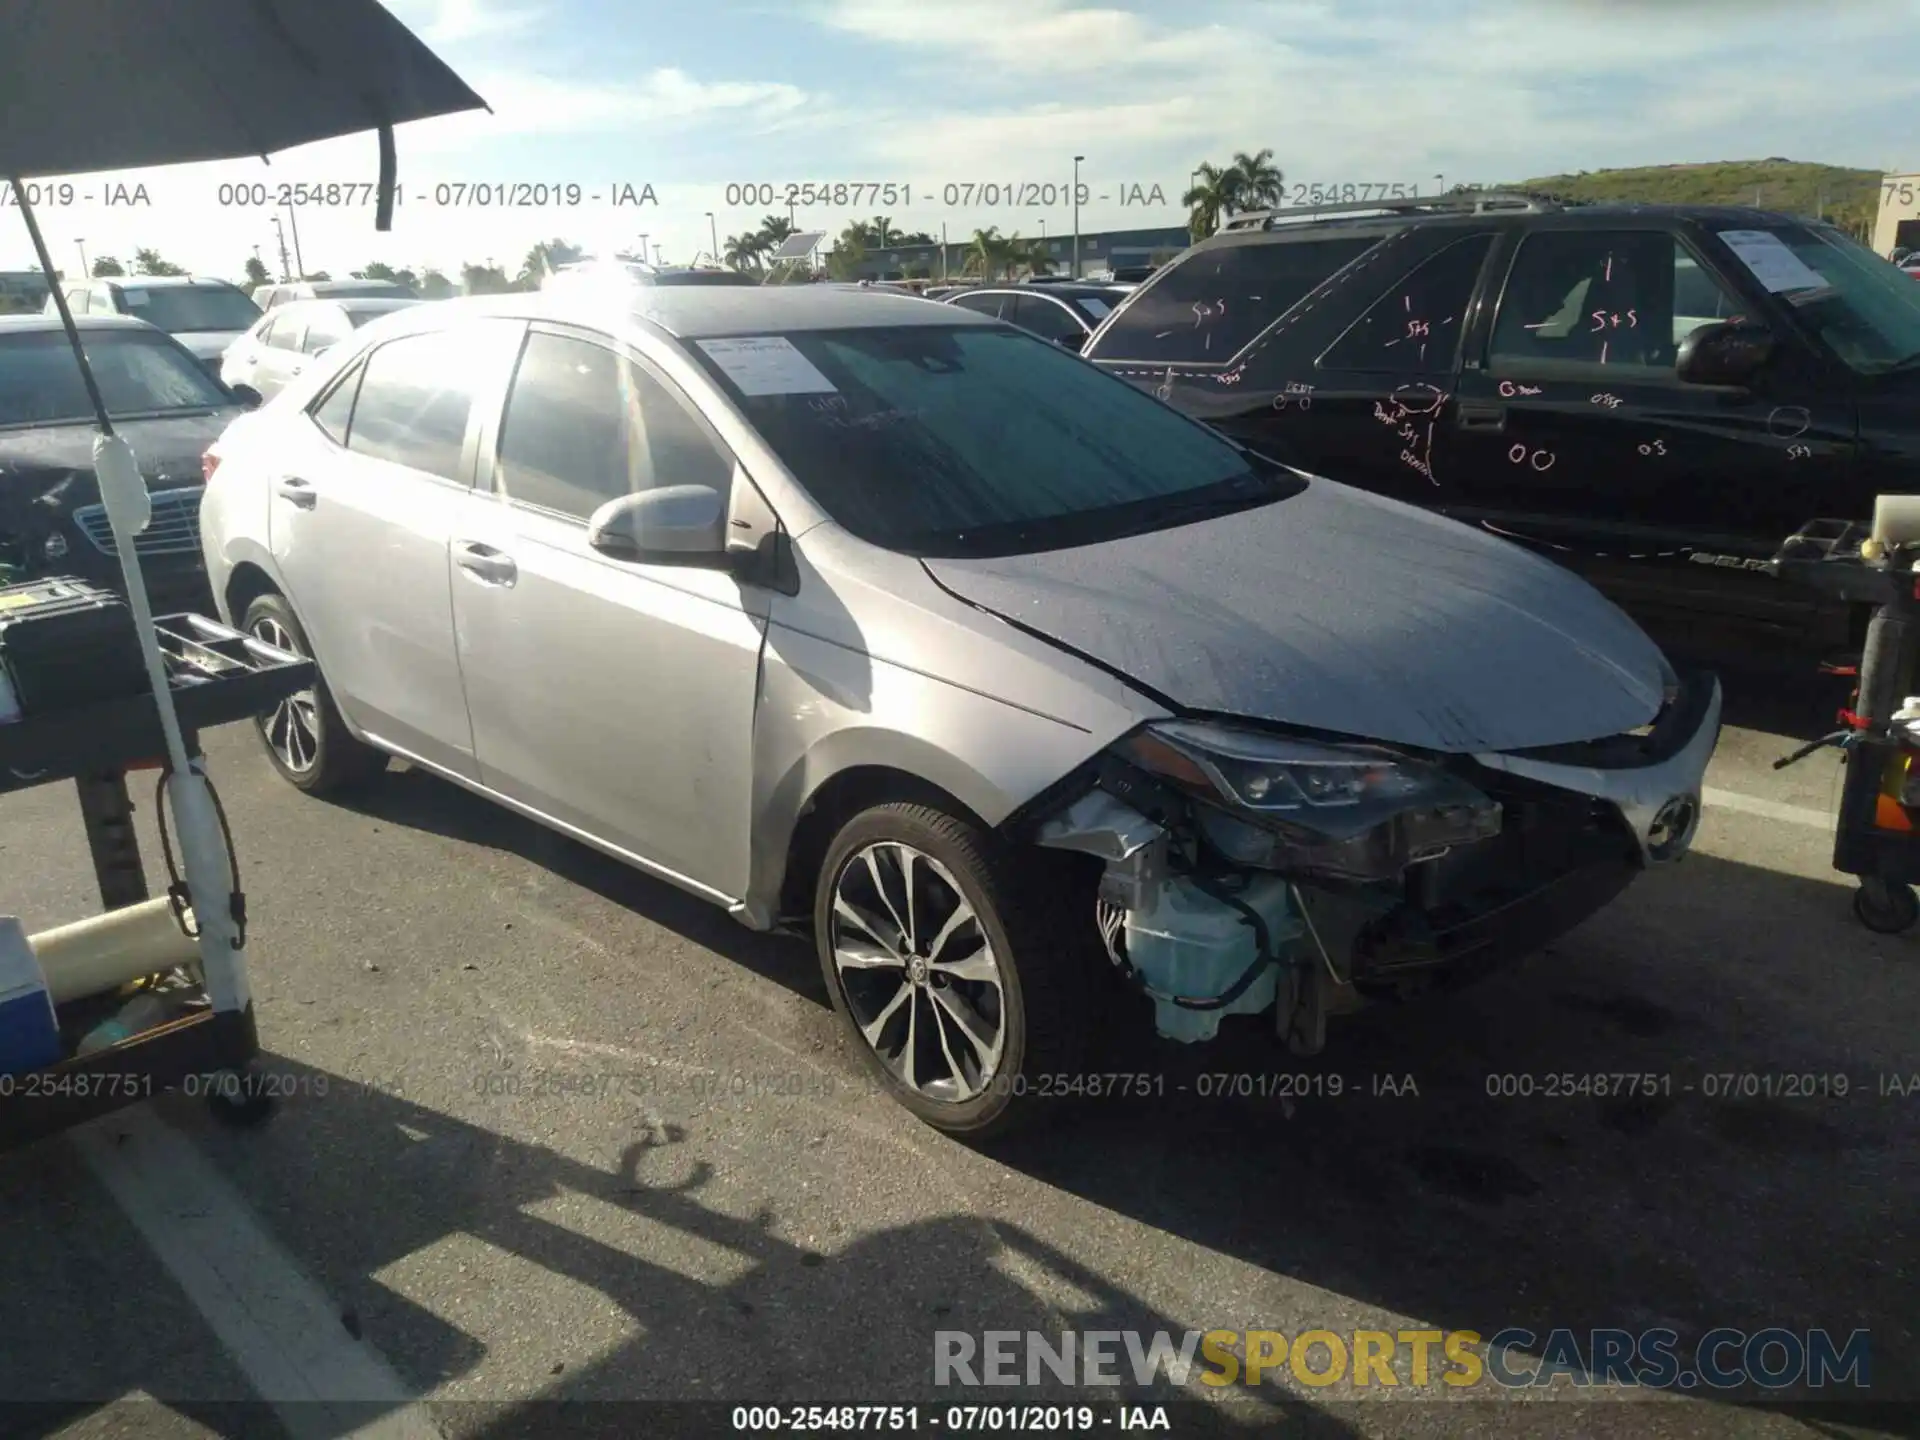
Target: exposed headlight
{"points": [[1353, 811]]}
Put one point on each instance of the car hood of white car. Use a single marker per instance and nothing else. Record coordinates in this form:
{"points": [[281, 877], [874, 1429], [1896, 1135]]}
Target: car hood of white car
{"points": [[1342, 612]]}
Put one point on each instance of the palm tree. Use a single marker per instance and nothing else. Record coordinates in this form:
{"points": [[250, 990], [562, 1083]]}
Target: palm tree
{"points": [[1032, 254], [1210, 200], [743, 252], [989, 255], [775, 228], [1257, 182]]}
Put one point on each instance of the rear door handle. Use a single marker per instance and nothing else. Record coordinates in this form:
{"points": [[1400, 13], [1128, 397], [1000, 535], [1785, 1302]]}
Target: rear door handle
{"points": [[484, 563], [1482, 416], [300, 492]]}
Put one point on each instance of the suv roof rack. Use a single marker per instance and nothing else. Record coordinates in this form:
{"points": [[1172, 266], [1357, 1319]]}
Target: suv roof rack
{"points": [[1464, 202]]}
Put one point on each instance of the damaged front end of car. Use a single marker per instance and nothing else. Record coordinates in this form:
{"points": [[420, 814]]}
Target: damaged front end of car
{"points": [[1248, 870]]}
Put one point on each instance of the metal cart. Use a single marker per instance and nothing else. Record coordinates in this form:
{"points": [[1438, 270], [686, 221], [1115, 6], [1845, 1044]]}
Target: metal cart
{"points": [[1877, 837], [216, 676]]}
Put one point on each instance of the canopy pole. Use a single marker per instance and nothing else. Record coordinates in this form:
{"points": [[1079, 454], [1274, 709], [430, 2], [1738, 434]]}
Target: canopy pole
{"points": [[60, 303], [203, 847], [383, 212]]}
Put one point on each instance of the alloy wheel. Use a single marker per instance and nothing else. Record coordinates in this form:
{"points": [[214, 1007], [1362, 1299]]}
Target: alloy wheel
{"points": [[920, 977], [292, 728]]}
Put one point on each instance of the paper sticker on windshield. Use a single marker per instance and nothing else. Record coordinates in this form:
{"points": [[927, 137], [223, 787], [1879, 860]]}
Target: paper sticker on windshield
{"points": [[1096, 308], [1772, 263], [767, 365], [134, 298]]}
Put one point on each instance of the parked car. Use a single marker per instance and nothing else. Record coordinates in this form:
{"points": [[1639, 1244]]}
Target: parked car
{"points": [[627, 274], [1063, 312], [1656, 396], [285, 293], [878, 619], [158, 396], [281, 344], [203, 314]]}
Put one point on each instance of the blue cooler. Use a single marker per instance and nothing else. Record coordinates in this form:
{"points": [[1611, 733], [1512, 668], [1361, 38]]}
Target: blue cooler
{"points": [[29, 1033]]}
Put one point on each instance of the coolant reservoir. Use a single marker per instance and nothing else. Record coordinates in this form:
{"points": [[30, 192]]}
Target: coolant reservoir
{"points": [[1191, 945]]}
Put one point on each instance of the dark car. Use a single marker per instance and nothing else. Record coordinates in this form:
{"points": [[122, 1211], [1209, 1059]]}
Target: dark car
{"points": [[1654, 395], [1066, 313], [203, 314], [168, 407]]}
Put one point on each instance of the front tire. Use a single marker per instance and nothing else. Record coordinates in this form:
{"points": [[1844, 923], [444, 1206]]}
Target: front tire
{"points": [[305, 738], [958, 979]]}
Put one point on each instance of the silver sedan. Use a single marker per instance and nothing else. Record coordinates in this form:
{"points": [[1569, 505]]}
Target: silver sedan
{"points": [[890, 623]]}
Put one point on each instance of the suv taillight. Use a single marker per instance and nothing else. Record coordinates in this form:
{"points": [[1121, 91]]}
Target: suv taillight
{"points": [[209, 463]]}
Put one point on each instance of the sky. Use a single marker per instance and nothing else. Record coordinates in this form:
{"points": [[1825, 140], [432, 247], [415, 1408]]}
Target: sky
{"points": [[590, 97]]}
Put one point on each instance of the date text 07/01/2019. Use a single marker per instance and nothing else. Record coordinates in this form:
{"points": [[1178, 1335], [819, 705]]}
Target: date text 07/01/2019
{"points": [[445, 195], [952, 195]]}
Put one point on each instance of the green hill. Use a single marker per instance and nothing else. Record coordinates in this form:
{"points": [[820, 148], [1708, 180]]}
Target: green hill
{"points": [[1850, 197]]}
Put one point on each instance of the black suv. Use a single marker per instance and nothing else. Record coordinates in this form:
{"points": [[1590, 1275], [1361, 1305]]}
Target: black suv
{"points": [[1654, 395]]}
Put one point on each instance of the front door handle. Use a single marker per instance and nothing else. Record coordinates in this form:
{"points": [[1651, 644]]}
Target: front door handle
{"points": [[1482, 416], [300, 492], [484, 563]]}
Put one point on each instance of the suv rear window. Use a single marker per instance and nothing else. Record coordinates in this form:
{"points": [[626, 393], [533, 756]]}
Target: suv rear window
{"points": [[1212, 303]]}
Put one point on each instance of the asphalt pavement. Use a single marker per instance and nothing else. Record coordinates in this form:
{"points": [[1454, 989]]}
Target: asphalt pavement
{"points": [[551, 1131]]}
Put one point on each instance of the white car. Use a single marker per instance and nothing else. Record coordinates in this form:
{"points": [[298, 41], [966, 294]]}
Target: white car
{"points": [[259, 364]]}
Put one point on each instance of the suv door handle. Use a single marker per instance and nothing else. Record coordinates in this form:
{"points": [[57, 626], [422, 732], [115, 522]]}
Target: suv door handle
{"points": [[300, 492], [484, 563], [1482, 416]]}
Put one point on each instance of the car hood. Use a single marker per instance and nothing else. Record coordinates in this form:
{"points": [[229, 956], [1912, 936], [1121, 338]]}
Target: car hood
{"points": [[49, 471], [208, 344], [1343, 612]]}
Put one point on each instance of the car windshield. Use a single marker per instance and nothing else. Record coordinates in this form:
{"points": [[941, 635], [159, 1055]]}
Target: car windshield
{"points": [[1866, 310], [182, 309], [957, 440], [139, 374]]}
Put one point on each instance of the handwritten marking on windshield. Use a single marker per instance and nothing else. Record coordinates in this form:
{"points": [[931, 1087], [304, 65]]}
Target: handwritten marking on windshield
{"points": [[1295, 391], [1799, 452], [1509, 389], [1653, 447], [1608, 402], [1541, 460]]}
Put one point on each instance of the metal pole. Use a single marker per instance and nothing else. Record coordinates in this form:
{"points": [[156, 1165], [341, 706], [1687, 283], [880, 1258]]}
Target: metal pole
{"points": [[85, 273], [60, 304], [943, 252], [1076, 215], [713, 232], [281, 232], [293, 221]]}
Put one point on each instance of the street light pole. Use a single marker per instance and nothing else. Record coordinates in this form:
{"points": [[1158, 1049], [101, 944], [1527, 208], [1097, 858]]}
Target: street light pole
{"points": [[1441, 182], [713, 232], [293, 222], [1076, 215], [85, 274], [280, 231]]}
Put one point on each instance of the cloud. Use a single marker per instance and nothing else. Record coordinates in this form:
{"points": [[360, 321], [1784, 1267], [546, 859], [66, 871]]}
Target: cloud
{"points": [[457, 22]]}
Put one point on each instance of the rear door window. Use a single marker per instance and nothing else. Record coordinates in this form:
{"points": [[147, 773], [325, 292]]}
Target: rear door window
{"points": [[1414, 328], [1214, 302], [326, 326], [980, 304], [1048, 319], [415, 395]]}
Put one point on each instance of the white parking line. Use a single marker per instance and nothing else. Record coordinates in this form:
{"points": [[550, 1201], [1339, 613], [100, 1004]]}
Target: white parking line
{"points": [[283, 1333], [1769, 809]]}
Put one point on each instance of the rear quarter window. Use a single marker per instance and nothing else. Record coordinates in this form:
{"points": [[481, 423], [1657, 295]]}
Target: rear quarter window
{"points": [[1211, 304]]}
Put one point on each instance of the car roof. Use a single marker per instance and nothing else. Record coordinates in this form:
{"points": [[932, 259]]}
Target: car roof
{"points": [[1551, 213], [40, 321], [1072, 289], [166, 282], [353, 304], [695, 312]]}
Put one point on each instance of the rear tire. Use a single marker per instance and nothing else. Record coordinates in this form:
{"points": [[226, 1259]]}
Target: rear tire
{"points": [[305, 737], [973, 1024]]}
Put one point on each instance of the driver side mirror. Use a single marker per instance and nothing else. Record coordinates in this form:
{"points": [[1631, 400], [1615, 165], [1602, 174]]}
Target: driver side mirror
{"points": [[1725, 353], [673, 525]]}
